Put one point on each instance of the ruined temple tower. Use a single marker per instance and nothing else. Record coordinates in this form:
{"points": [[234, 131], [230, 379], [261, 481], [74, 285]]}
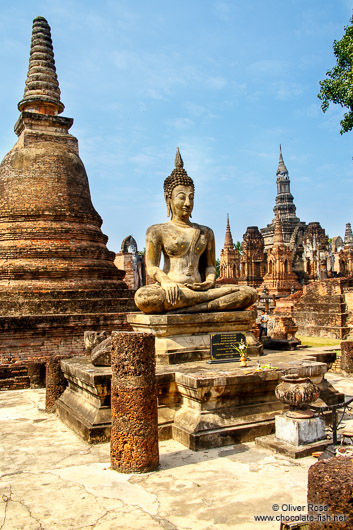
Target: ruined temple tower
{"points": [[291, 225], [252, 260], [57, 277], [229, 262], [280, 278]]}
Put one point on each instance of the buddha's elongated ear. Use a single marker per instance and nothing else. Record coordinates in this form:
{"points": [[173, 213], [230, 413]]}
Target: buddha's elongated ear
{"points": [[167, 200]]}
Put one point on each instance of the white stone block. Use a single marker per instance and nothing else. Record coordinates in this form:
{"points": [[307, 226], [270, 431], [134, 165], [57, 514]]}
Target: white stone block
{"points": [[299, 431]]}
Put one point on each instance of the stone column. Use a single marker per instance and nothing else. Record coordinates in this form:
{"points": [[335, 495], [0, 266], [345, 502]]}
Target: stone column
{"points": [[134, 433], [330, 483], [347, 356], [55, 382]]}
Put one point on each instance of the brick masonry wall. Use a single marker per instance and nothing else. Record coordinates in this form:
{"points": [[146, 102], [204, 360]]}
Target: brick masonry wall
{"points": [[36, 339], [124, 263], [322, 310]]}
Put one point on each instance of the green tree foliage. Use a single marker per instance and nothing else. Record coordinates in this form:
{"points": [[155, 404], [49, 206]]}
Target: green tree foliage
{"points": [[237, 246], [338, 87], [218, 267]]}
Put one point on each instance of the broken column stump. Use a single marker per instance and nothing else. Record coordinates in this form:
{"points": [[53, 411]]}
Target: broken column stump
{"points": [[330, 484], [55, 382], [134, 433], [347, 356]]}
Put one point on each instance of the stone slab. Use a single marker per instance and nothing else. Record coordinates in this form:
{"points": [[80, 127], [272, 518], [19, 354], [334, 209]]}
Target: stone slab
{"points": [[301, 451], [52, 479], [170, 324], [186, 337]]}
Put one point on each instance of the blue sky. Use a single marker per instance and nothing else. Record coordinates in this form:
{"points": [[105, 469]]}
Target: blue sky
{"points": [[225, 80]]}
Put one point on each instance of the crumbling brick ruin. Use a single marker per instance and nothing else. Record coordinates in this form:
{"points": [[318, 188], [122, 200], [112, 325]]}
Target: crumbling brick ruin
{"points": [[57, 277], [307, 247]]}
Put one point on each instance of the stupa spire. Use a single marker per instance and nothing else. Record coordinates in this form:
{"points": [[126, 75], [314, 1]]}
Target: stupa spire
{"points": [[228, 240], [278, 235], [281, 165], [348, 236], [42, 92]]}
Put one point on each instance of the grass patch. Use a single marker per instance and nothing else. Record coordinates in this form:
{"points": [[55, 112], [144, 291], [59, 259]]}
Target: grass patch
{"points": [[318, 341]]}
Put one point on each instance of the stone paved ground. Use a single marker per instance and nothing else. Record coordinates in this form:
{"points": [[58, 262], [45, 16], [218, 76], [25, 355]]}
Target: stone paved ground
{"points": [[50, 479]]}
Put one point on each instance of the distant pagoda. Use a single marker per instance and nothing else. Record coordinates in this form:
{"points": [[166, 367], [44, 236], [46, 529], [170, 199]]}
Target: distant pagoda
{"points": [[229, 262], [57, 277], [285, 206]]}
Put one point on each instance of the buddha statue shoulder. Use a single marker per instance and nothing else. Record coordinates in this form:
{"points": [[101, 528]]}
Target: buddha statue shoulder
{"points": [[187, 282]]}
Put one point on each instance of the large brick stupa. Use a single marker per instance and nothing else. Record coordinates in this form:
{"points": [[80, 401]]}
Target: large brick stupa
{"points": [[57, 277]]}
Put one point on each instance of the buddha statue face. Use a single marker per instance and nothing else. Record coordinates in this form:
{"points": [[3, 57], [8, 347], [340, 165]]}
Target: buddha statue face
{"points": [[132, 249], [182, 202]]}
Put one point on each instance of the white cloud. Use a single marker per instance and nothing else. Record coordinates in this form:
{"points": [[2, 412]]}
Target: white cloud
{"points": [[269, 67], [223, 10], [288, 90], [155, 75], [217, 82], [181, 123]]}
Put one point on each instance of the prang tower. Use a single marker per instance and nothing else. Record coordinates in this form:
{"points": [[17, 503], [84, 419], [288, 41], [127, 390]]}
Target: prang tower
{"points": [[229, 263], [57, 277], [285, 206]]}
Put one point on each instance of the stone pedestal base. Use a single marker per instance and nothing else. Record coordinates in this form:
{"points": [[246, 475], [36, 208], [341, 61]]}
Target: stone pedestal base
{"points": [[299, 431], [85, 404], [200, 405], [296, 438], [181, 338]]}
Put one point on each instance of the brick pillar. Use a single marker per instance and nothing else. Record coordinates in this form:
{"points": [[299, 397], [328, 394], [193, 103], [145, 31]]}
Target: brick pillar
{"points": [[347, 356], [55, 382], [330, 483], [134, 434], [36, 374]]}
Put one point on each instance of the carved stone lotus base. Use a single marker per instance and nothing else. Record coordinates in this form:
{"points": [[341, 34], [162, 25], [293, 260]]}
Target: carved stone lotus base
{"points": [[183, 338]]}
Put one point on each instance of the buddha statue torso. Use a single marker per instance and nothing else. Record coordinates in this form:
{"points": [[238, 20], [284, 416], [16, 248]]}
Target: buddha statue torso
{"points": [[187, 282]]}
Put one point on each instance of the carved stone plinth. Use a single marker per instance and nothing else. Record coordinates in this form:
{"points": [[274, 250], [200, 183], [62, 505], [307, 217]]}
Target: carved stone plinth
{"points": [[297, 433], [85, 404], [183, 338], [199, 404]]}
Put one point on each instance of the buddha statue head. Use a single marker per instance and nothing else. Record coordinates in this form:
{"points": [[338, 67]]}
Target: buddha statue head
{"points": [[177, 178]]}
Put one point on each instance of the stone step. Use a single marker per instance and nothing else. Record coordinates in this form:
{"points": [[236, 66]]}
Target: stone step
{"points": [[64, 306], [78, 294]]}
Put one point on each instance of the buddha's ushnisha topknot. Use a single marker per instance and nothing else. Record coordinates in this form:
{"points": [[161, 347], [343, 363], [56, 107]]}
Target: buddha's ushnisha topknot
{"points": [[178, 177]]}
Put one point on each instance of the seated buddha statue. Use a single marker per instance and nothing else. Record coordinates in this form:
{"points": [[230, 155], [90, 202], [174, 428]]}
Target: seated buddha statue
{"points": [[187, 283]]}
